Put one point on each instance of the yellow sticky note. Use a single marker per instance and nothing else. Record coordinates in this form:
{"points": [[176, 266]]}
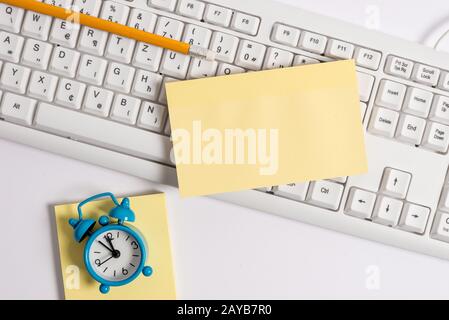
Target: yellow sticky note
{"points": [[151, 221], [266, 128]]}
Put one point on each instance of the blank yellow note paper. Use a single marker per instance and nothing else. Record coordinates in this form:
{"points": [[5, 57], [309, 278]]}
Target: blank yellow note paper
{"points": [[266, 128], [151, 221]]}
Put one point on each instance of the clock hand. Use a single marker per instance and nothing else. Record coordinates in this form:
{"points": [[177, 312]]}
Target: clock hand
{"points": [[106, 260], [110, 243], [106, 246]]}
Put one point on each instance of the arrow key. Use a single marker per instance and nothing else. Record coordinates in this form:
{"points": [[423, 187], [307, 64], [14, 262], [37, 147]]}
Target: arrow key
{"points": [[360, 203], [395, 183], [414, 218], [387, 211]]}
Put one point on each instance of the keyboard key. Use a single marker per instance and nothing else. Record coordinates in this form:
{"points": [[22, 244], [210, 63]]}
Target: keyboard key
{"points": [[201, 68], [360, 203], [15, 77], [168, 5], [36, 54], [363, 109], [411, 129], [443, 84], [169, 28], [218, 15], [64, 33], [89, 7], [366, 83], [418, 102], [175, 64], [426, 75], [59, 3], [444, 201], [325, 194], [148, 56], [225, 46], [387, 211], [152, 117], [125, 109], [391, 94], [383, 122], [293, 191], [114, 12], [163, 94], [399, 67], [395, 183], [98, 101], [367, 58], [436, 137], [36, 25], [64, 61], [119, 77], [440, 109], [11, 46], [302, 60], [42, 86], [103, 133], [18, 109], [225, 69], [312, 42], [414, 218], [277, 58], [191, 8], [10, 18], [92, 69], [250, 55], [339, 49], [286, 35], [70, 93], [142, 20], [120, 49], [92, 41], [198, 36], [147, 85], [440, 229], [245, 23]]}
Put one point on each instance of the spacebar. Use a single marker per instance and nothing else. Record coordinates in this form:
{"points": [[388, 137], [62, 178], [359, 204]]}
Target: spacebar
{"points": [[103, 133]]}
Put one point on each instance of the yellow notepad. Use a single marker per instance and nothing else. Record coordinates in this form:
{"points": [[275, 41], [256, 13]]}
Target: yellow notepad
{"points": [[266, 128], [151, 221]]}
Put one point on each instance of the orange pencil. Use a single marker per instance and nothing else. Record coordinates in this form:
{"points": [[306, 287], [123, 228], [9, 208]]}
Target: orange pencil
{"points": [[112, 27]]}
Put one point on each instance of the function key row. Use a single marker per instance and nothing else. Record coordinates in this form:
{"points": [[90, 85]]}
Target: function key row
{"points": [[211, 13], [417, 72], [388, 206], [323, 45]]}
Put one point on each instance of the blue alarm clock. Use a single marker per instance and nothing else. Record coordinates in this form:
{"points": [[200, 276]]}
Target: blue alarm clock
{"points": [[114, 254]]}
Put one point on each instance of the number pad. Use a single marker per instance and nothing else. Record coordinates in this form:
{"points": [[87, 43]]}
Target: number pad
{"points": [[250, 55]]}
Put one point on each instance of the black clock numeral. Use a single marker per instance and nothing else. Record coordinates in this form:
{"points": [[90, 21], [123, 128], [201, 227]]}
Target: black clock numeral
{"points": [[118, 234], [114, 272], [134, 245], [124, 271], [98, 262]]}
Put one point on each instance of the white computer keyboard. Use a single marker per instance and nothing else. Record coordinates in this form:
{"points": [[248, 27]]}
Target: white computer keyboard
{"points": [[100, 98]]}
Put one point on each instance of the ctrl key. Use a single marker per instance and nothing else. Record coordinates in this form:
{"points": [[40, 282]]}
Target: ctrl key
{"points": [[440, 230], [326, 194]]}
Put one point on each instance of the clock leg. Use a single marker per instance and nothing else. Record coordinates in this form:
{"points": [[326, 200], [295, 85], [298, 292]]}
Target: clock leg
{"points": [[104, 289], [147, 271]]}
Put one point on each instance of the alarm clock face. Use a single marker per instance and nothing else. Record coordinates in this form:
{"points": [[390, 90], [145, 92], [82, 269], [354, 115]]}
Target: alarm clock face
{"points": [[115, 255]]}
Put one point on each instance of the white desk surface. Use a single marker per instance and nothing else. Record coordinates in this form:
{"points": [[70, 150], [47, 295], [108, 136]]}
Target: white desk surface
{"points": [[220, 250]]}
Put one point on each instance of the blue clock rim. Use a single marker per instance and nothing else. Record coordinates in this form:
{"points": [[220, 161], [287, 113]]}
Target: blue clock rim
{"points": [[140, 242]]}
